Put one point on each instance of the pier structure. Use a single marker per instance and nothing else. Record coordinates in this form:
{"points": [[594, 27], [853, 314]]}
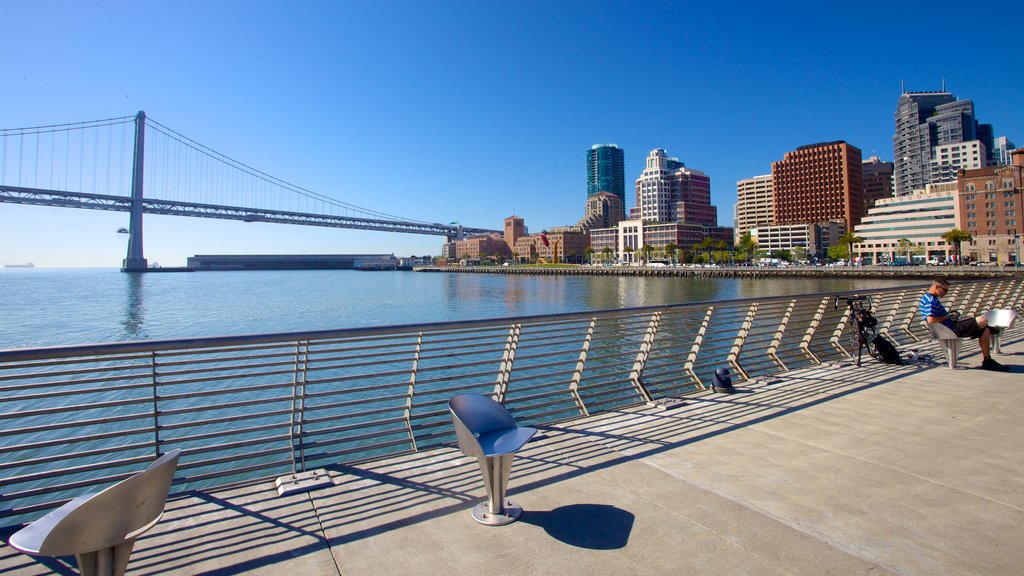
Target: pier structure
{"points": [[814, 465]]}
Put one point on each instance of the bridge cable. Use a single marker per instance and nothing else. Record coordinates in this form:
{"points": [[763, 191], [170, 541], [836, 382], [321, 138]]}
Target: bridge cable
{"points": [[267, 178]]}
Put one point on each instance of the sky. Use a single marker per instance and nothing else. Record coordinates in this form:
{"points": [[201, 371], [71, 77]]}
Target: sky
{"points": [[474, 111]]}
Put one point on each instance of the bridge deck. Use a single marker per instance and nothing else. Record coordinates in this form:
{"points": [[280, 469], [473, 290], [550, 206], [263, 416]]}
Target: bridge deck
{"points": [[830, 470]]}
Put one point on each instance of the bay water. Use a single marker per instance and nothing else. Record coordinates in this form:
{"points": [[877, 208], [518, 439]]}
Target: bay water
{"points": [[53, 307]]}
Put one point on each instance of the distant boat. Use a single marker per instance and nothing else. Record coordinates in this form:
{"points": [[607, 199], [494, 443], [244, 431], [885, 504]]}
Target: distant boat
{"points": [[29, 265]]}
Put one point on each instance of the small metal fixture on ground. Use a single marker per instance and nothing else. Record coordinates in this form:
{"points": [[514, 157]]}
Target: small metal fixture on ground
{"points": [[302, 482], [722, 382]]}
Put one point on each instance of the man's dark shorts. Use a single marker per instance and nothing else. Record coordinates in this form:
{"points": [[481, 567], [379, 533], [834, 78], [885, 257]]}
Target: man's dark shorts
{"points": [[967, 328]]}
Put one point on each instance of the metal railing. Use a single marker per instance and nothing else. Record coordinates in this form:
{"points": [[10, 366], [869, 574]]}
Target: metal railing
{"points": [[250, 407]]}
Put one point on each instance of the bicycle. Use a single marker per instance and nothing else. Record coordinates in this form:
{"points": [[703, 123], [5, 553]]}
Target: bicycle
{"points": [[865, 322]]}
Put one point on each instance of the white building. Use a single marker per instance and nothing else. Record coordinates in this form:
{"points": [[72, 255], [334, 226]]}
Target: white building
{"points": [[948, 159], [814, 238], [755, 206], [921, 217]]}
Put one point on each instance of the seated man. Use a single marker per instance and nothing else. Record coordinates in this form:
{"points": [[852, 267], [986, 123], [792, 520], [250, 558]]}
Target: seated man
{"points": [[934, 312]]}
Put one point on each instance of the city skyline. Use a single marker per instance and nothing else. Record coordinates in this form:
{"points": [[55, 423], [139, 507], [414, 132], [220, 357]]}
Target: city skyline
{"points": [[456, 111]]}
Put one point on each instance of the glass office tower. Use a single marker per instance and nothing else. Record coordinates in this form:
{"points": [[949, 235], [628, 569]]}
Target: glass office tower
{"points": [[605, 172]]}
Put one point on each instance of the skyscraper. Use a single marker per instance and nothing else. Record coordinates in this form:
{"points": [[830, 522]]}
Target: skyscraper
{"points": [[668, 191], [925, 120], [819, 183], [755, 205], [605, 171], [877, 177]]}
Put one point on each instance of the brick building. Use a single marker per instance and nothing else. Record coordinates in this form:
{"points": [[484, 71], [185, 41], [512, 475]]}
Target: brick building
{"points": [[819, 183], [478, 246], [992, 209]]}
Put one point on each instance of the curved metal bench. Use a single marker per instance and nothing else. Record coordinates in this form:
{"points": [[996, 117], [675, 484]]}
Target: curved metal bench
{"points": [[100, 529], [948, 339], [486, 430]]}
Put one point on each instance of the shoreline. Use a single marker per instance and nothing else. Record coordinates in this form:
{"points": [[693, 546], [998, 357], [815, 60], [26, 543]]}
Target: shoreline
{"points": [[912, 272]]}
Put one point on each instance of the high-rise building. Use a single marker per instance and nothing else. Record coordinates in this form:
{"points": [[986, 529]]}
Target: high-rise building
{"points": [[1001, 147], [755, 206], [819, 183], [925, 120], [606, 171], [877, 176], [668, 191], [602, 211], [949, 159]]}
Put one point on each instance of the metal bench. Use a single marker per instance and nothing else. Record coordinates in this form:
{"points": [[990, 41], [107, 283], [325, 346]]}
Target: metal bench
{"points": [[1002, 319], [100, 529], [946, 338], [486, 430]]}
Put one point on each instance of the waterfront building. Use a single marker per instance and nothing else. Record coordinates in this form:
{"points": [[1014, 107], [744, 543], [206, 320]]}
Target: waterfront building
{"points": [[515, 228], [606, 171], [814, 238], [919, 219], [949, 159], [478, 246], [602, 238], [291, 261], [992, 205], [633, 234], [877, 178], [755, 206], [567, 244], [668, 191], [925, 120], [603, 210], [819, 183]]}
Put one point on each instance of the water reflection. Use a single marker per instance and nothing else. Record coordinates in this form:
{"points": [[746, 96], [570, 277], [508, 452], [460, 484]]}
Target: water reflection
{"points": [[133, 322]]}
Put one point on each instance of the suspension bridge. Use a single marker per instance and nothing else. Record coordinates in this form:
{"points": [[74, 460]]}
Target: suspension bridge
{"points": [[77, 166]]}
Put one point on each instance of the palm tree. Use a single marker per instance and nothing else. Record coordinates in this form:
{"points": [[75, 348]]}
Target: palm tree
{"points": [[904, 248], [607, 252], [588, 252], [746, 246], [849, 239], [670, 251], [645, 253], [955, 236]]}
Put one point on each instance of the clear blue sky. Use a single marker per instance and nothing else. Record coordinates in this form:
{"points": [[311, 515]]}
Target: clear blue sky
{"points": [[473, 111]]}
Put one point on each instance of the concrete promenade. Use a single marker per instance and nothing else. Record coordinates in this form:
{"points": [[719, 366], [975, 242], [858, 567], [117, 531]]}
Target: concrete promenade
{"points": [[828, 470]]}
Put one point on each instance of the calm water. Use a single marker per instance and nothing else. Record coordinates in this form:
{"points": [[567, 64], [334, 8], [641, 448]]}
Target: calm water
{"points": [[50, 307]]}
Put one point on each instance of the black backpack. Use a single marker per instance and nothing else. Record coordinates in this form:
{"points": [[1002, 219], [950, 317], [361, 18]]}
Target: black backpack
{"points": [[886, 352]]}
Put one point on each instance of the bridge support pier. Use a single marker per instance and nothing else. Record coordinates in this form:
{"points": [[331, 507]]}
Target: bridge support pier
{"points": [[135, 261]]}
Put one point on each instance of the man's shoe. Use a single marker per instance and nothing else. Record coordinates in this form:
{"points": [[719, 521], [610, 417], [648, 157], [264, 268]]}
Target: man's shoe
{"points": [[990, 364]]}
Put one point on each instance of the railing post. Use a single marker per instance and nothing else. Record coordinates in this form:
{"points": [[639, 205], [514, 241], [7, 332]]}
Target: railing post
{"points": [[838, 333], [777, 340], [577, 375], [306, 479], [636, 374], [507, 359], [733, 358], [887, 323], [412, 389], [805, 342], [691, 358]]}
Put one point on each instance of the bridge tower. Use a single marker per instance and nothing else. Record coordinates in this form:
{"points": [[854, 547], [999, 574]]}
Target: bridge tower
{"points": [[135, 261]]}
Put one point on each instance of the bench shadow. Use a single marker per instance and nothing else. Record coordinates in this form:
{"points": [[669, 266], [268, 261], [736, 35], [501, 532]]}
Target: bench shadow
{"points": [[590, 526]]}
